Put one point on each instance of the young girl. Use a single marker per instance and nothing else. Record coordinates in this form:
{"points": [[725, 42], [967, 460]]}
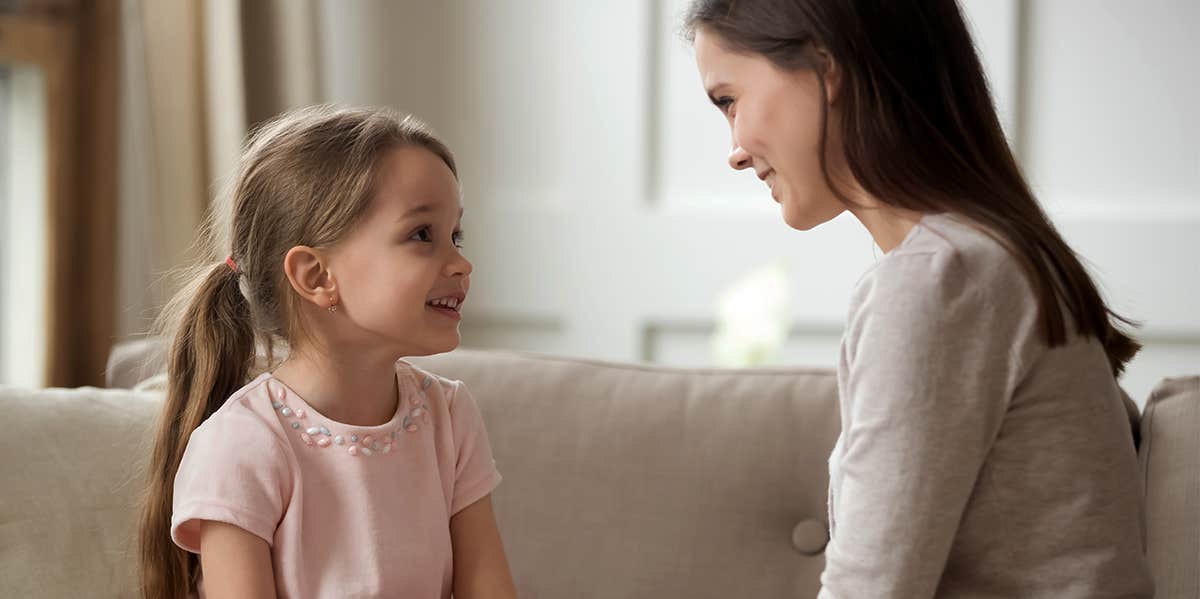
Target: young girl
{"points": [[985, 450], [343, 471]]}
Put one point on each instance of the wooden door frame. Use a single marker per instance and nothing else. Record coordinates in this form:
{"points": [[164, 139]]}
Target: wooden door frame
{"points": [[76, 45]]}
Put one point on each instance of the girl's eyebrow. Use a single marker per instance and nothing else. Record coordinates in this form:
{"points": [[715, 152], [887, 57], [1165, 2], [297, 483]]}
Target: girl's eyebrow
{"points": [[425, 208], [421, 209]]}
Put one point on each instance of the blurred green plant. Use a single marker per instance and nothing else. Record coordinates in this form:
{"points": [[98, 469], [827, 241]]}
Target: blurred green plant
{"points": [[753, 318]]}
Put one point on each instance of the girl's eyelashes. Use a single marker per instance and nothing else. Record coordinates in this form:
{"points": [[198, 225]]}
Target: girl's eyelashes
{"points": [[425, 235], [723, 103]]}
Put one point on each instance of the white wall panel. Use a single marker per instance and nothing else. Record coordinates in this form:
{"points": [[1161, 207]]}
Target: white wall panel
{"points": [[604, 222]]}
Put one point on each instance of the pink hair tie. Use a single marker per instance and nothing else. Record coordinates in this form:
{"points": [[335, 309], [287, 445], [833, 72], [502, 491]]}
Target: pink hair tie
{"points": [[232, 265]]}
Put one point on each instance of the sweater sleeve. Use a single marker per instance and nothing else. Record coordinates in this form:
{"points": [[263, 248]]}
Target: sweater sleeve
{"points": [[930, 369]]}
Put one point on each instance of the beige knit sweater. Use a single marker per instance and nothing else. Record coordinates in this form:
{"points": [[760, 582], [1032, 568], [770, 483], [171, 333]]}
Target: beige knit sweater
{"points": [[974, 461]]}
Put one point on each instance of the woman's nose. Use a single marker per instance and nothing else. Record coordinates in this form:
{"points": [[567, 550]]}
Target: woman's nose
{"points": [[738, 158]]}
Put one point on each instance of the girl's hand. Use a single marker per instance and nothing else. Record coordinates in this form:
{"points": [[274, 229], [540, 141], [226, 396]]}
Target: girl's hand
{"points": [[480, 567], [235, 563]]}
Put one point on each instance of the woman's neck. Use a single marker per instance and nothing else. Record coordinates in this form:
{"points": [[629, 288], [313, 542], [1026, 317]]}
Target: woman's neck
{"points": [[888, 225], [351, 387]]}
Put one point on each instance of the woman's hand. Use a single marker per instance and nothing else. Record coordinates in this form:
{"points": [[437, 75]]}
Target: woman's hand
{"points": [[235, 563], [480, 567]]}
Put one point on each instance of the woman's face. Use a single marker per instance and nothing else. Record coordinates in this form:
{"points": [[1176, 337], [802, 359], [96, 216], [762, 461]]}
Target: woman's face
{"points": [[775, 118]]}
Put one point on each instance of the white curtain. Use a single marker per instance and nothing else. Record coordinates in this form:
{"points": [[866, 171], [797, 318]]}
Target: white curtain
{"points": [[195, 76]]}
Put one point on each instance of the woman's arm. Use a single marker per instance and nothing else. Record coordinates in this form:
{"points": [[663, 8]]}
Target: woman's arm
{"points": [[235, 563], [480, 567], [930, 370]]}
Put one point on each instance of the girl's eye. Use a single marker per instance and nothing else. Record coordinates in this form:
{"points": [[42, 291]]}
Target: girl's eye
{"points": [[424, 234], [723, 103]]}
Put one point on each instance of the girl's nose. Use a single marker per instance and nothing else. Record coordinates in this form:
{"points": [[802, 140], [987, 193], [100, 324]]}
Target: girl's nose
{"points": [[459, 266]]}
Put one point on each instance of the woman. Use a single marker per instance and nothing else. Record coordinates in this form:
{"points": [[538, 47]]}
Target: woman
{"points": [[985, 449]]}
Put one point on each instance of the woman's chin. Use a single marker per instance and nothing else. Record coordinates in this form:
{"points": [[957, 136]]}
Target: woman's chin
{"points": [[806, 217]]}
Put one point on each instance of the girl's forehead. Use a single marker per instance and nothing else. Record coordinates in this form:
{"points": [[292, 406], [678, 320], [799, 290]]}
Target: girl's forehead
{"points": [[417, 180], [403, 207]]}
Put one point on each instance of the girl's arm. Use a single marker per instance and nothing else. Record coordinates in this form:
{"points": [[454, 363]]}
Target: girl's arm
{"points": [[480, 567], [235, 563]]}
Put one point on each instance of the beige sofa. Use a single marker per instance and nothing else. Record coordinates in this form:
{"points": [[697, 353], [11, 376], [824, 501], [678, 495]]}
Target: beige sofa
{"points": [[621, 481]]}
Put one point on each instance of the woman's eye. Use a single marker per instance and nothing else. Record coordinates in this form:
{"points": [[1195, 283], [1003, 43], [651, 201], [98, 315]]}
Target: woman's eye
{"points": [[457, 238], [423, 234], [723, 103]]}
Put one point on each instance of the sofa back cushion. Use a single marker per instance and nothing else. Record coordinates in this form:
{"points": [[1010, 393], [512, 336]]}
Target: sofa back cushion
{"points": [[72, 463], [1170, 456], [630, 481]]}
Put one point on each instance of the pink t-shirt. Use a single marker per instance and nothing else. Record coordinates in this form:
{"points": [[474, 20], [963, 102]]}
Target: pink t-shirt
{"points": [[349, 511]]}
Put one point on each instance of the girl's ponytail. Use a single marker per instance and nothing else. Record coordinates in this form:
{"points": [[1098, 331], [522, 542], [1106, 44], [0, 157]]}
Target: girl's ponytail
{"points": [[210, 358]]}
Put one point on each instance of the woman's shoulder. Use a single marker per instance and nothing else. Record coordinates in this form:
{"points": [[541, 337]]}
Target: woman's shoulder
{"points": [[953, 244], [945, 257], [948, 280], [947, 273]]}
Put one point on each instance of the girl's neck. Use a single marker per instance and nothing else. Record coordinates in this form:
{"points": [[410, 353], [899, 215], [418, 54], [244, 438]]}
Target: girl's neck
{"points": [[349, 387]]}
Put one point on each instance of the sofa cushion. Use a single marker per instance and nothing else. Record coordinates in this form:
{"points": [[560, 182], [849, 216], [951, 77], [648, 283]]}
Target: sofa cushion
{"points": [[1170, 456], [73, 462], [630, 481], [620, 480], [131, 362]]}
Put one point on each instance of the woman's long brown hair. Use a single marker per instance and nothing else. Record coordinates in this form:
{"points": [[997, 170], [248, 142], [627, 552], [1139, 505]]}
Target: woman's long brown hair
{"points": [[305, 178], [919, 131]]}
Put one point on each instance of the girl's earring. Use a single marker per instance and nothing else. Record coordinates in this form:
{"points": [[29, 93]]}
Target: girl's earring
{"points": [[332, 304]]}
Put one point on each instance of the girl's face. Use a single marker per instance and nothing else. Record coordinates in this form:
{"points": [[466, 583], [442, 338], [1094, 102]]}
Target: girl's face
{"points": [[401, 277], [775, 118]]}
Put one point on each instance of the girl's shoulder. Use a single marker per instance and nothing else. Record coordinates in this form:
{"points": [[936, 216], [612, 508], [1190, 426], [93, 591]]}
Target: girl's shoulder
{"points": [[250, 415], [427, 385]]}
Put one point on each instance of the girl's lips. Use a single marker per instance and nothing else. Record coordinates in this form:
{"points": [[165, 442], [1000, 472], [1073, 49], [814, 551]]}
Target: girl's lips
{"points": [[447, 312]]}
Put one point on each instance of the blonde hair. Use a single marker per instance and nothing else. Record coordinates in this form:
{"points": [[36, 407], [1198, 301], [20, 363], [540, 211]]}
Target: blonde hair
{"points": [[305, 178]]}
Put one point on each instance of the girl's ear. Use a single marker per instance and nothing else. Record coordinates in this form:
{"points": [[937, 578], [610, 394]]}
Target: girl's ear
{"points": [[309, 275]]}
